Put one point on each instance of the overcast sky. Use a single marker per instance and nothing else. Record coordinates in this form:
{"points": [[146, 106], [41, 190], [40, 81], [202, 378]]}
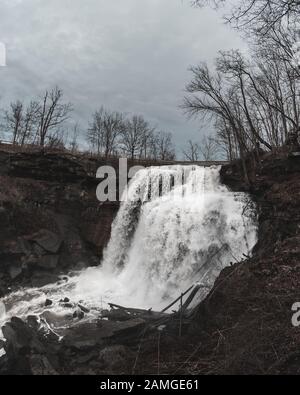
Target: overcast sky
{"points": [[128, 55]]}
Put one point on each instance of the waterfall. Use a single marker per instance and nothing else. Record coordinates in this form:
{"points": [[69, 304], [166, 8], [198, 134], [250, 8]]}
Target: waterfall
{"points": [[177, 226]]}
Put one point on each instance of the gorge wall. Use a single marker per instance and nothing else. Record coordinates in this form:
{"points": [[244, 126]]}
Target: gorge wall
{"points": [[50, 219]]}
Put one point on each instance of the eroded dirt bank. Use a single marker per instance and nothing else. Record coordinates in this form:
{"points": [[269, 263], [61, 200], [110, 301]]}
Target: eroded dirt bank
{"points": [[242, 327]]}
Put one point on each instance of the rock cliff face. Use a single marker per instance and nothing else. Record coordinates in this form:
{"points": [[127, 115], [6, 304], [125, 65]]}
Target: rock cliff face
{"points": [[50, 219]]}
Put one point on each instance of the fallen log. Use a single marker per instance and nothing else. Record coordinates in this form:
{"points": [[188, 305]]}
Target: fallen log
{"points": [[116, 315], [130, 309], [190, 298], [177, 300], [136, 313]]}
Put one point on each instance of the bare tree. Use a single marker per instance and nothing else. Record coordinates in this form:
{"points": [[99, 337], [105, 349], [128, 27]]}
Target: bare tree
{"points": [[258, 15], [153, 146], [73, 146], [134, 136], [233, 64], [209, 148], [165, 147], [226, 139], [52, 114], [210, 95], [192, 151], [95, 133], [56, 140], [29, 124], [147, 143], [258, 100], [13, 119], [104, 131]]}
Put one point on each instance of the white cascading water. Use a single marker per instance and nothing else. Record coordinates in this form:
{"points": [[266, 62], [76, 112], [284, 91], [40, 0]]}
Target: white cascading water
{"points": [[178, 226]]}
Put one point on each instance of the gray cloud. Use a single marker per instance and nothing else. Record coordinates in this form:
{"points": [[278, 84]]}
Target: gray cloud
{"points": [[129, 55]]}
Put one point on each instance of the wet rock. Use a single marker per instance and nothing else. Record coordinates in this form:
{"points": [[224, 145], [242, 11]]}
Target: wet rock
{"points": [[78, 314], [32, 321], [20, 337], [84, 309], [81, 265], [2, 344], [68, 305], [57, 320], [48, 302]]}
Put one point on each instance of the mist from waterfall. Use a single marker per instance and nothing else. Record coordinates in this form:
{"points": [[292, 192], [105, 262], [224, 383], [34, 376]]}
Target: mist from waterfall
{"points": [[178, 226]]}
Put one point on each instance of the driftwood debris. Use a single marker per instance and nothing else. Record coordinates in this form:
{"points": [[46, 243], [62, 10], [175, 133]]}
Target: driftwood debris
{"points": [[154, 318], [177, 300], [130, 313], [190, 298], [128, 322]]}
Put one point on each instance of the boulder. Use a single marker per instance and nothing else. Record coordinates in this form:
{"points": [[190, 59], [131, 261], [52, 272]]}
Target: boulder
{"points": [[68, 305], [19, 337], [33, 322], [15, 271], [84, 309], [48, 240], [22, 247], [78, 314], [49, 262], [38, 250]]}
